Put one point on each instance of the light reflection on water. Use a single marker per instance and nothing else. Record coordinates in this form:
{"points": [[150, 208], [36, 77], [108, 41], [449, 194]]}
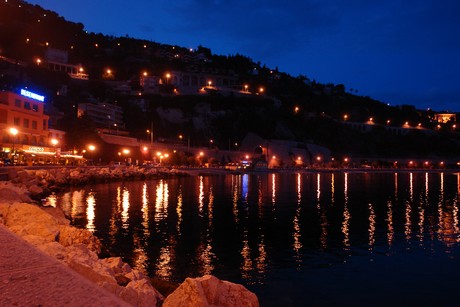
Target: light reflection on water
{"points": [[249, 228]]}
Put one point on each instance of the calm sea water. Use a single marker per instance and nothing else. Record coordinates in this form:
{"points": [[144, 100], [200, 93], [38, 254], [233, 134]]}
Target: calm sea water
{"points": [[293, 239]]}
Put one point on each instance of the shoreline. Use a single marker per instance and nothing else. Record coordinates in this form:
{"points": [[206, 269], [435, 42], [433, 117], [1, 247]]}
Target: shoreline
{"points": [[49, 231]]}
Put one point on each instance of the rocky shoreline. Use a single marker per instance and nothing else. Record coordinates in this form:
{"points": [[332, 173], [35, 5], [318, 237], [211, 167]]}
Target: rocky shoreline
{"points": [[49, 230]]}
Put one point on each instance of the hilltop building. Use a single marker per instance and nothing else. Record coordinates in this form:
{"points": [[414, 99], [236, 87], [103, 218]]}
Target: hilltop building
{"points": [[445, 117], [104, 115], [57, 60]]}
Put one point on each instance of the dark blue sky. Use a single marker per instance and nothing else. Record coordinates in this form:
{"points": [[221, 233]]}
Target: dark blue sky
{"points": [[396, 51]]}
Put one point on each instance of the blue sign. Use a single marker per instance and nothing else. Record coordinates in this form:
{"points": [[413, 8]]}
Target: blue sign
{"points": [[28, 94]]}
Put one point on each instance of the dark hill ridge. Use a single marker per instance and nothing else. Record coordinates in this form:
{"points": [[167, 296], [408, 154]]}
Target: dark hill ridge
{"points": [[290, 107]]}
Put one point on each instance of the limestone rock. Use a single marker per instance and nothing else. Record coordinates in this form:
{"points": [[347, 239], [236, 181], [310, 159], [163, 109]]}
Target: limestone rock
{"points": [[146, 295], [210, 291], [12, 193], [70, 235], [35, 191], [26, 219], [117, 265], [86, 263]]}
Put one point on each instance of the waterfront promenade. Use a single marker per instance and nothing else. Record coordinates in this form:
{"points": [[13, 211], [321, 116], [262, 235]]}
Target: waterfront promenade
{"points": [[29, 277]]}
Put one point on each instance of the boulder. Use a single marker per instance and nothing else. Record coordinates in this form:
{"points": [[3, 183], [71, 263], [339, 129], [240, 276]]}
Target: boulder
{"points": [[146, 295], [26, 219], [117, 265], [35, 191], [69, 235], [210, 291], [53, 249], [11, 193], [87, 264]]}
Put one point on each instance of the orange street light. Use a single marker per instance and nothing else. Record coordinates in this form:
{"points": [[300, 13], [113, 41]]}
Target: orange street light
{"points": [[13, 131]]}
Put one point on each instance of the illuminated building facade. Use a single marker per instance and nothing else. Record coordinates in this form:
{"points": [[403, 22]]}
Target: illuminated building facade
{"points": [[445, 117], [25, 135]]}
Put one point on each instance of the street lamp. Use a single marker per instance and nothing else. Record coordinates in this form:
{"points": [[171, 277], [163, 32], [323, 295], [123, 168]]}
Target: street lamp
{"points": [[150, 135], [13, 132], [54, 142], [92, 148]]}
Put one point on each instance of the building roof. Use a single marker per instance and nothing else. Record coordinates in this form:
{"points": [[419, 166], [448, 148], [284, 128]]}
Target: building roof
{"points": [[119, 140]]}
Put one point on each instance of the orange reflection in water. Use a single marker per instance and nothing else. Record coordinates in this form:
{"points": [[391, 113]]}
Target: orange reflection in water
{"points": [[322, 213], [125, 206], [145, 209], [371, 227], [201, 196], [90, 207], [161, 201], [346, 215], [390, 233], [297, 245], [235, 188], [179, 211], [246, 265], [163, 263]]}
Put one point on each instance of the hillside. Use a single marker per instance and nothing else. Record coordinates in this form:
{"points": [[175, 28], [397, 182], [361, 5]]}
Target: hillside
{"points": [[290, 108]]}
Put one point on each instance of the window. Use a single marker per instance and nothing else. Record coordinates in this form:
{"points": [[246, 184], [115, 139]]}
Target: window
{"points": [[17, 103], [3, 116], [26, 123], [26, 105], [34, 124], [17, 121], [44, 124], [35, 107]]}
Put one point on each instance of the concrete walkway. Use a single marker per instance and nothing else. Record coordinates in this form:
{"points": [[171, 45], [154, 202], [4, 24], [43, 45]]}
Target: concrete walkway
{"points": [[29, 277]]}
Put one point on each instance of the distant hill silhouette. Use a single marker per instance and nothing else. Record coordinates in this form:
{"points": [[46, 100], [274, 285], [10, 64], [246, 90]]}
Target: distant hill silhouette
{"points": [[291, 107]]}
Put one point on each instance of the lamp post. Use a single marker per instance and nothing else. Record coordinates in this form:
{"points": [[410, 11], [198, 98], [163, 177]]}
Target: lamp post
{"points": [[92, 148], [13, 132], [54, 142], [188, 141]]}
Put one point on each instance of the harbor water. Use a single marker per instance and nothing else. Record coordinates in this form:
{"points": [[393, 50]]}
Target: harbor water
{"points": [[294, 239]]}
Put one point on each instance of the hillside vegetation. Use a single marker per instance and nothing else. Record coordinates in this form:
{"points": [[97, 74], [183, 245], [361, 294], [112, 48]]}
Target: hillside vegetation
{"points": [[291, 107]]}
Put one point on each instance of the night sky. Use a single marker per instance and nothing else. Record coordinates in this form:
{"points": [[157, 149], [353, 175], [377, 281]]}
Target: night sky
{"points": [[399, 52]]}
